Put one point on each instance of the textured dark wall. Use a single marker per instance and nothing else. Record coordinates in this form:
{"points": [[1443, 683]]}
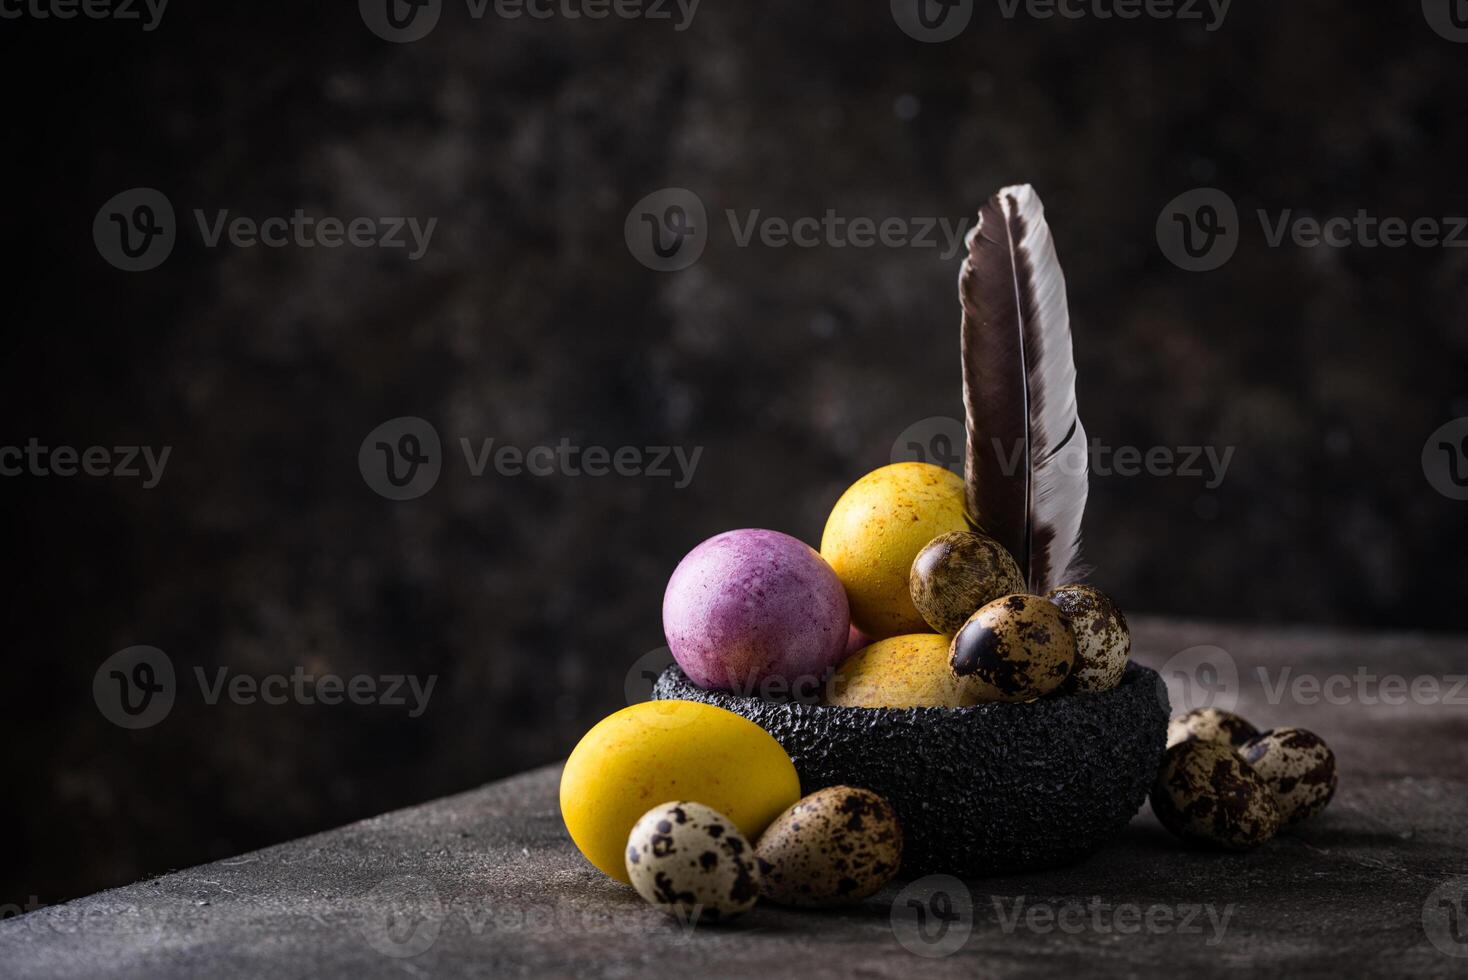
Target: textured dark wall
{"points": [[528, 320]]}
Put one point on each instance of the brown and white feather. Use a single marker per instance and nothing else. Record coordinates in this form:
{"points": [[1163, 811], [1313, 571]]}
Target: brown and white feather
{"points": [[1025, 466]]}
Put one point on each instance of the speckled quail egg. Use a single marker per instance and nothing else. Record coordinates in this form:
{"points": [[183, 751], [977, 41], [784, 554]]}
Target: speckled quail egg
{"points": [[958, 572], [691, 861], [835, 847], [1017, 648], [1206, 794], [1210, 725], [1103, 642], [1298, 766]]}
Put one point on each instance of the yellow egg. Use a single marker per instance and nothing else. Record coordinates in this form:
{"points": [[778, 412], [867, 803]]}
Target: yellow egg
{"points": [[875, 531], [900, 672], [658, 751]]}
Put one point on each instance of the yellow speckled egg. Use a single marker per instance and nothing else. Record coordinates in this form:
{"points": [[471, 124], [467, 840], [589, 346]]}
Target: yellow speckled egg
{"points": [[657, 751], [875, 531], [899, 672]]}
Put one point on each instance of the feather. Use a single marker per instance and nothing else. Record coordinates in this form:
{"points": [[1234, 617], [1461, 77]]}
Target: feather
{"points": [[1025, 468]]}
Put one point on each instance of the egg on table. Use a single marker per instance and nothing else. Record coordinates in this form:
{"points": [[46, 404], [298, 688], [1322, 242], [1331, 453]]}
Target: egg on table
{"points": [[876, 530], [1103, 642], [1206, 794], [1210, 725], [958, 572], [656, 751], [1017, 648], [899, 672], [692, 862], [1298, 766], [836, 846], [752, 606]]}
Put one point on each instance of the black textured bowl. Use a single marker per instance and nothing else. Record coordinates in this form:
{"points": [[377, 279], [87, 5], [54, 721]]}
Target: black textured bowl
{"points": [[986, 790]]}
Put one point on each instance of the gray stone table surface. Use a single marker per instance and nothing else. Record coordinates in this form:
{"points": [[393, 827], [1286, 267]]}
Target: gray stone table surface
{"points": [[486, 883]]}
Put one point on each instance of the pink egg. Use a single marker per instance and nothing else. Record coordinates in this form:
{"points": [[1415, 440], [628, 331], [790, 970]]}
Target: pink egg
{"points": [[757, 612], [855, 640]]}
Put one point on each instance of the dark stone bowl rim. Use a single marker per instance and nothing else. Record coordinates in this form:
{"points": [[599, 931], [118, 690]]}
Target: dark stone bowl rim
{"points": [[1134, 674]]}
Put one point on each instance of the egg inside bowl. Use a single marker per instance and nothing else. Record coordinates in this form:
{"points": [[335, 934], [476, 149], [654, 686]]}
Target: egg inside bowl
{"points": [[983, 790]]}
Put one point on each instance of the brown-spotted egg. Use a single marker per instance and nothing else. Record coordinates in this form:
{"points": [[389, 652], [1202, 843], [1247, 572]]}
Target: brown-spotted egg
{"points": [[837, 846], [1206, 794], [691, 861], [1210, 725], [1103, 642], [958, 572], [1298, 766], [1017, 648]]}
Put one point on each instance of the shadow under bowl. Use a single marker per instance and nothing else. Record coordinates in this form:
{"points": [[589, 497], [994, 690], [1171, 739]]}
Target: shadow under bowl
{"points": [[985, 790]]}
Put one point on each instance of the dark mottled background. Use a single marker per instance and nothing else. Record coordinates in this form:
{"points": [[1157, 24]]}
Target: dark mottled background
{"points": [[529, 321]]}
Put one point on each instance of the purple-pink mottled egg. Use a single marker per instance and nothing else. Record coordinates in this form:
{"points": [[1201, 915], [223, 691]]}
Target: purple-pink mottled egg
{"points": [[757, 612]]}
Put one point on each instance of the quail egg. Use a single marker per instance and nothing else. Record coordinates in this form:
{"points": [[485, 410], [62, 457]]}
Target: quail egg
{"points": [[1298, 766], [1206, 794], [1103, 642], [835, 847], [1210, 725], [1017, 648], [691, 861], [958, 572]]}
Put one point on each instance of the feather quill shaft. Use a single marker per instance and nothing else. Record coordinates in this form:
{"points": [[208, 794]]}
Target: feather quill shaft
{"points": [[1025, 467]]}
